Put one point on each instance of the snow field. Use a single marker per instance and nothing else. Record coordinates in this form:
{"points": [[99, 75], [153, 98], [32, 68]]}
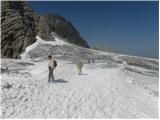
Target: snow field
{"points": [[98, 93]]}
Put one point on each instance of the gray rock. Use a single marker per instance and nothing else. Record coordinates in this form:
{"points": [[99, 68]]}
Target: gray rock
{"points": [[18, 28], [62, 27]]}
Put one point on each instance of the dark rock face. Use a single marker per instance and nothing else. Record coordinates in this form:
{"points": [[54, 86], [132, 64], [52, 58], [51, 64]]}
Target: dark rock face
{"points": [[61, 27], [18, 28], [43, 33], [20, 25]]}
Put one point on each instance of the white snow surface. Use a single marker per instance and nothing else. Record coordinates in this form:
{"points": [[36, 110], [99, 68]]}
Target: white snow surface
{"points": [[58, 41], [98, 93], [106, 89]]}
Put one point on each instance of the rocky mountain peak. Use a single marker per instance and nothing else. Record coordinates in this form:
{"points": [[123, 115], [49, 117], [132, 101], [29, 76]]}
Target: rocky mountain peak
{"points": [[20, 26], [62, 27]]}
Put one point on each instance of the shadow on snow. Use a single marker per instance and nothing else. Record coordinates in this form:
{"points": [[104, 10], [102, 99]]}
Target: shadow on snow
{"points": [[60, 81]]}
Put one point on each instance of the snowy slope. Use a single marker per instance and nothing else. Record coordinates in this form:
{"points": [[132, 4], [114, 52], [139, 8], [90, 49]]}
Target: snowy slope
{"points": [[107, 89], [58, 41], [64, 50], [103, 91]]}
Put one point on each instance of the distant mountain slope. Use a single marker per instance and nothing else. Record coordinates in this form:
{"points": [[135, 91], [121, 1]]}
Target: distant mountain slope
{"points": [[20, 26], [64, 50], [59, 47], [62, 27]]}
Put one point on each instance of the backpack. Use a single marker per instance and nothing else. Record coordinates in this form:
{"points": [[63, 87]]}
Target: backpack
{"points": [[55, 63]]}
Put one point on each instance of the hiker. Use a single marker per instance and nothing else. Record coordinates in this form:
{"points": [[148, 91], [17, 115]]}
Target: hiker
{"points": [[124, 63], [79, 66], [51, 66], [93, 60], [89, 61], [124, 66]]}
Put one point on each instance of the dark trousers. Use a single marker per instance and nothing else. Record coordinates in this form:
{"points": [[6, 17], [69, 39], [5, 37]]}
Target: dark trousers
{"points": [[50, 75]]}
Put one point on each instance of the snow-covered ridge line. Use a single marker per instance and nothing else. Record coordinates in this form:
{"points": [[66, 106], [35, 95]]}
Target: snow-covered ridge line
{"points": [[57, 41]]}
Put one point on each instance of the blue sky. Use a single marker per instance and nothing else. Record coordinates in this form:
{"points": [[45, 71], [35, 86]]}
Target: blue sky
{"points": [[129, 27]]}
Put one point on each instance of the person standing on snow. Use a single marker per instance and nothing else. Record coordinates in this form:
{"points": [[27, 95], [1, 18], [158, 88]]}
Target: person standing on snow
{"points": [[79, 66], [93, 60], [51, 65], [124, 64], [89, 61]]}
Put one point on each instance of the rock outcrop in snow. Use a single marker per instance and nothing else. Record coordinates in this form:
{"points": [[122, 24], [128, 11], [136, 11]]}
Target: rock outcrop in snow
{"points": [[20, 26]]}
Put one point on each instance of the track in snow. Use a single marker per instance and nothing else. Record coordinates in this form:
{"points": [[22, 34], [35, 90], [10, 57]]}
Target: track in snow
{"points": [[98, 93]]}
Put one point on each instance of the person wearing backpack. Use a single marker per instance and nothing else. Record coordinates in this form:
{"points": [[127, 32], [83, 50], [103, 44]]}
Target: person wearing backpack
{"points": [[51, 66]]}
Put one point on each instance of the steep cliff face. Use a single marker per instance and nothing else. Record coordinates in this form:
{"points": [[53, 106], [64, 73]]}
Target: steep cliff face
{"points": [[18, 28], [62, 27]]}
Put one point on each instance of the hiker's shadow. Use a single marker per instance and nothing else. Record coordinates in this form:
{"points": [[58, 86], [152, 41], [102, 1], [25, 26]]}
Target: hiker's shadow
{"points": [[60, 81], [83, 74]]}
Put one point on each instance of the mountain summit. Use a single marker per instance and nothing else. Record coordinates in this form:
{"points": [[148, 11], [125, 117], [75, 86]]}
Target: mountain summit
{"points": [[62, 27], [20, 26]]}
